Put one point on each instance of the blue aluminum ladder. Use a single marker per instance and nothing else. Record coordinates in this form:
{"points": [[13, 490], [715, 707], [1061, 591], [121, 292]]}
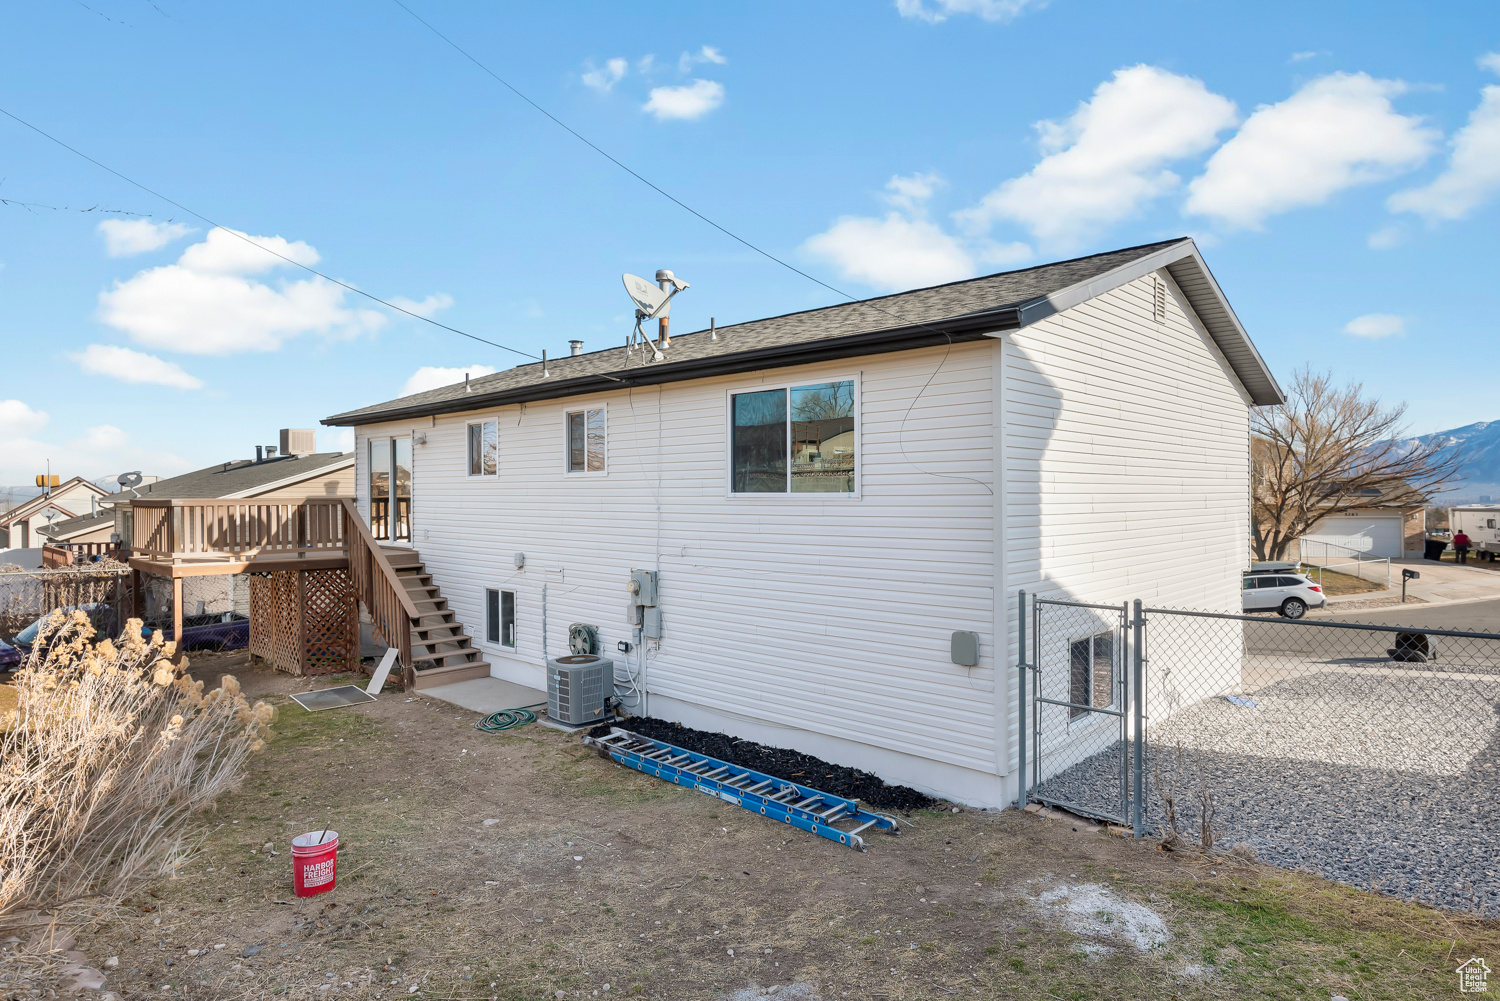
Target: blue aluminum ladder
{"points": [[789, 802]]}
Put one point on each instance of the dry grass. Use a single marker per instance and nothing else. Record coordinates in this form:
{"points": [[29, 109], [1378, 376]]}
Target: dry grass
{"points": [[596, 874], [1335, 583], [107, 754]]}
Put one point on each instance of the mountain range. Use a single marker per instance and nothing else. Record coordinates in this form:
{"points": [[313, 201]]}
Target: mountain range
{"points": [[1479, 475]]}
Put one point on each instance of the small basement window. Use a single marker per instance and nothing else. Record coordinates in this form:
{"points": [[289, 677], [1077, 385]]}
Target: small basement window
{"points": [[586, 440], [484, 448], [1091, 674], [500, 617]]}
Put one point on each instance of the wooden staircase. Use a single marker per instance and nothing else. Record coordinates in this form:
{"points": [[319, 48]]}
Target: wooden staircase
{"points": [[441, 651]]}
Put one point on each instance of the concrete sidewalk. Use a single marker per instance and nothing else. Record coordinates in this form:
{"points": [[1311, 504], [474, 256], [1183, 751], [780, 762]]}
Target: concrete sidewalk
{"points": [[1440, 583], [487, 695]]}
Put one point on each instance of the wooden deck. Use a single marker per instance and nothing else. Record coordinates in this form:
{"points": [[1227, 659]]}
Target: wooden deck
{"points": [[191, 538]]}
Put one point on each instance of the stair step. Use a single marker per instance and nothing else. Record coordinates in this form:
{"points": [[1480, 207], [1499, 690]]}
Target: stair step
{"points": [[447, 675], [446, 659]]}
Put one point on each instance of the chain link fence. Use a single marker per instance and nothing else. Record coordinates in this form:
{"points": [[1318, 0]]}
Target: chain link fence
{"points": [[1367, 754]]}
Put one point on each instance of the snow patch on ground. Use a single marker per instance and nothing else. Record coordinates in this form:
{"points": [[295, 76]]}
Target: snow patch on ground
{"points": [[1097, 912], [799, 991]]}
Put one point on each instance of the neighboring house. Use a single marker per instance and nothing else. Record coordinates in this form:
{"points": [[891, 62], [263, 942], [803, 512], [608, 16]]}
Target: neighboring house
{"points": [[21, 526], [1388, 523], [829, 495], [294, 475], [89, 533]]}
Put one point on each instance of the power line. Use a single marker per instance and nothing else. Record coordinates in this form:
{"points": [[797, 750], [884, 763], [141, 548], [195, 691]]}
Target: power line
{"points": [[665, 194], [240, 236]]}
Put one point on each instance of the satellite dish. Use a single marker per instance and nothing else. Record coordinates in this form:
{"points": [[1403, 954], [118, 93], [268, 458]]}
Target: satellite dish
{"points": [[647, 297], [128, 480]]}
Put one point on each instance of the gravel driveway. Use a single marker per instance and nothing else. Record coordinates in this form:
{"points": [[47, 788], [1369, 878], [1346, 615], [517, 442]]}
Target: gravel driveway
{"points": [[1360, 772]]}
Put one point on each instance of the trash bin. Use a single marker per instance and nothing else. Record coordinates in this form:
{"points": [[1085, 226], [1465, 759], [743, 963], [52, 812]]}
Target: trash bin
{"points": [[1432, 549]]}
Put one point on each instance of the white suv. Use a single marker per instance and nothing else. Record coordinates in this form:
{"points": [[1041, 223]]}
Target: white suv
{"points": [[1280, 590]]}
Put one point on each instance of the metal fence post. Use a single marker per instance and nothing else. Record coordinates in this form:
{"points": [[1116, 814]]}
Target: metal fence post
{"points": [[1021, 715], [1138, 763]]}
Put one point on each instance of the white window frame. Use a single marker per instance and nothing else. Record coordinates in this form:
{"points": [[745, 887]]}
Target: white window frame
{"points": [[1086, 718], [468, 465], [515, 605], [570, 411], [782, 497]]}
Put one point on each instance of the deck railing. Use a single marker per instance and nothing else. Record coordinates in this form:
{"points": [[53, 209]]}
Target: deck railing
{"points": [[192, 530], [392, 614]]}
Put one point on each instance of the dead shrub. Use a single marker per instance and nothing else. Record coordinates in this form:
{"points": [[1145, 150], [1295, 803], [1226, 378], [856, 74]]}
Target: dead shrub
{"points": [[108, 752]]}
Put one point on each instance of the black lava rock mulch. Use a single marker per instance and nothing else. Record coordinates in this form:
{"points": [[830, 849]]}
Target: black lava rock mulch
{"points": [[791, 765]]}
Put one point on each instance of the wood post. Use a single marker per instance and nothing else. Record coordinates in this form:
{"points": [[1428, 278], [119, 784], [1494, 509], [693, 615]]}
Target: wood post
{"points": [[137, 599], [177, 619]]}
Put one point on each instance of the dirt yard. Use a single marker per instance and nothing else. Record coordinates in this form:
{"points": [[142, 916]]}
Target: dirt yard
{"points": [[522, 865]]}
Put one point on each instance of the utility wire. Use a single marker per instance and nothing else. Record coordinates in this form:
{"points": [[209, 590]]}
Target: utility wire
{"points": [[240, 236]]}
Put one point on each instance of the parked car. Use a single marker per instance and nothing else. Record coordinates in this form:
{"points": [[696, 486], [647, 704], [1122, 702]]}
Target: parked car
{"points": [[227, 631], [1277, 587]]}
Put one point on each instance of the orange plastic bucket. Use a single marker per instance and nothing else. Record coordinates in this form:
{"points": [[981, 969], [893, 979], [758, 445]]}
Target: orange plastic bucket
{"points": [[314, 862]]}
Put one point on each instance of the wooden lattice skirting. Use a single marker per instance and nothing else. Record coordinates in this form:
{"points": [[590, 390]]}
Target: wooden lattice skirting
{"points": [[305, 621]]}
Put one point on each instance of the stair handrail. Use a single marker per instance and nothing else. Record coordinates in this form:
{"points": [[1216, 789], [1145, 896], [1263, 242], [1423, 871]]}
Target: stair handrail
{"points": [[391, 608]]}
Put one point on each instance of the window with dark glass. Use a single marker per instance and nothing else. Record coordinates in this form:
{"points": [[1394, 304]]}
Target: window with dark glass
{"points": [[484, 448], [380, 488], [800, 439], [1091, 675], [500, 617], [586, 441]]}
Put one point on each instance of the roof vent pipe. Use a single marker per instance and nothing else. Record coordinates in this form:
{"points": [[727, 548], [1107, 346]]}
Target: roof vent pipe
{"points": [[466, 383], [259, 453], [665, 279], [575, 348], [713, 333], [545, 373]]}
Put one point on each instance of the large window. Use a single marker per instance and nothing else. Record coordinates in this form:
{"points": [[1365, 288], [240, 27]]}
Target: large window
{"points": [[484, 448], [794, 439], [500, 617], [390, 488], [1091, 675], [586, 440]]}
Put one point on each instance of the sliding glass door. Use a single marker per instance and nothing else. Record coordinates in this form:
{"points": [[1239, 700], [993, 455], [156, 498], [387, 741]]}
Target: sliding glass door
{"points": [[390, 488]]}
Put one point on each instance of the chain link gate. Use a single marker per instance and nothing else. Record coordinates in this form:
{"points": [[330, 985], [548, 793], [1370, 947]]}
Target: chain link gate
{"points": [[1084, 676]]}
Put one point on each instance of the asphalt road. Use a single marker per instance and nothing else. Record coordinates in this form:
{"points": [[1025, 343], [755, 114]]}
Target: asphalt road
{"points": [[1483, 616]]}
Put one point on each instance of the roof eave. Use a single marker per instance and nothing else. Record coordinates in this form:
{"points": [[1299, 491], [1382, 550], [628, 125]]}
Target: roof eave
{"points": [[1188, 269], [970, 327]]}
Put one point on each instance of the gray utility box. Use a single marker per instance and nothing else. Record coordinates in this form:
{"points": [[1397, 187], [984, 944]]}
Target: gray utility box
{"points": [[643, 587], [577, 687]]}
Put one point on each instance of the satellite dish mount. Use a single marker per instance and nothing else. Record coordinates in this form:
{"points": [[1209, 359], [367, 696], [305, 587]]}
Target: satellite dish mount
{"points": [[652, 302], [129, 481]]}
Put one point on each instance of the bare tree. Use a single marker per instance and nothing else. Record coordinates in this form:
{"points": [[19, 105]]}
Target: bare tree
{"points": [[1328, 450]]}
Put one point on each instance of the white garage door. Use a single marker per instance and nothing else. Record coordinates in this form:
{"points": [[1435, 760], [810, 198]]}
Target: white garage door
{"points": [[1368, 535]]}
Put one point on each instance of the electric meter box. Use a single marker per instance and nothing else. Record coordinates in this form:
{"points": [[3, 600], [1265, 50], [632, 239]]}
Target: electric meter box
{"points": [[643, 587]]}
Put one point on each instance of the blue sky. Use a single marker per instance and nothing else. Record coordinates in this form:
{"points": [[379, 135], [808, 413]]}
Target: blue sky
{"points": [[1339, 163]]}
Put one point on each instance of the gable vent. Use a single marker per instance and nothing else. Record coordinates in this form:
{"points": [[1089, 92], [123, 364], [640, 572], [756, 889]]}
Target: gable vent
{"points": [[1158, 300]]}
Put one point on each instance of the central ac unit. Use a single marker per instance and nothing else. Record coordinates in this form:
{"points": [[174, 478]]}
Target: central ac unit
{"points": [[577, 686]]}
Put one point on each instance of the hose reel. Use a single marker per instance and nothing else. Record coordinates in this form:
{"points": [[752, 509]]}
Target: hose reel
{"points": [[583, 638]]}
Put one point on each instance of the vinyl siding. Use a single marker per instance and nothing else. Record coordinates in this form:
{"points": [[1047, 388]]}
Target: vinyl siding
{"points": [[822, 613], [1126, 461]]}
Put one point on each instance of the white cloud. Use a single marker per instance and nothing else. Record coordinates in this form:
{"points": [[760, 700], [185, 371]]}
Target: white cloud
{"points": [[911, 191], [941, 10], [603, 78], [436, 376], [897, 252], [206, 304], [426, 307], [1385, 238], [1472, 176], [1374, 326], [134, 367], [335, 439], [694, 100], [17, 420], [1337, 132], [123, 237], [101, 450], [707, 54], [646, 65], [1109, 157], [1302, 57]]}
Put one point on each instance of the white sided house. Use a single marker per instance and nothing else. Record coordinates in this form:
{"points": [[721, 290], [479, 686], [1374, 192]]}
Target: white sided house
{"points": [[828, 496]]}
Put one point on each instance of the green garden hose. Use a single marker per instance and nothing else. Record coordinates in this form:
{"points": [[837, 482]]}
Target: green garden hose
{"points": [[507, 719]]}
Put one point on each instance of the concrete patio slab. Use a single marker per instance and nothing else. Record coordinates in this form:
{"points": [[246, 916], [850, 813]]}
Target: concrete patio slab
{"points": [[487, 695]]}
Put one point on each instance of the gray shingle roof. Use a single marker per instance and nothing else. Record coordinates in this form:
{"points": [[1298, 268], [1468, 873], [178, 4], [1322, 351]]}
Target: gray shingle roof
{"points": [[230, 477], [963, 310], [73, 526]]}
